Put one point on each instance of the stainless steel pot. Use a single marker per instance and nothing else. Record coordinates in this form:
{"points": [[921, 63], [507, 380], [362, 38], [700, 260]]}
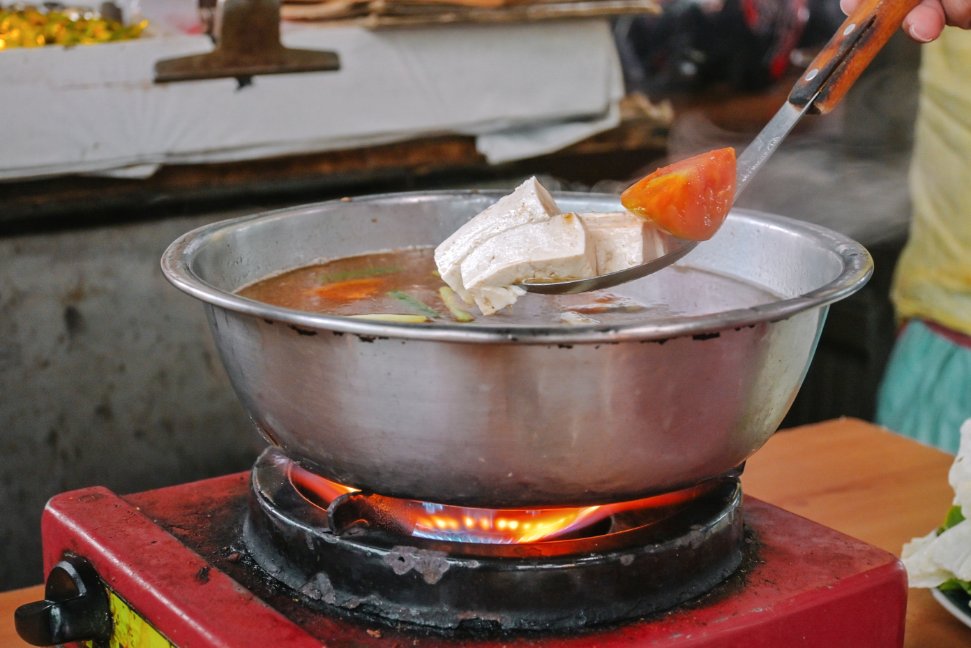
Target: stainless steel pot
{"points": [[495, 415]]}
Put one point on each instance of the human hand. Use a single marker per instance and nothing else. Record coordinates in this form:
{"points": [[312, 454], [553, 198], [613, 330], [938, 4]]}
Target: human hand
{"points": [[926, 21]]}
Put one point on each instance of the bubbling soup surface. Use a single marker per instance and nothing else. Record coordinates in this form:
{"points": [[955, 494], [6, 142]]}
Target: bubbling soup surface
{"points": [[406, 282]]}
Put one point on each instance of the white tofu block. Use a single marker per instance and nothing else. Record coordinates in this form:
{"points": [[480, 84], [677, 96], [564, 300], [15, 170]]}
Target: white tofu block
{"points": [[529, 203], [490, 299], [551, 250], [617, 237]]}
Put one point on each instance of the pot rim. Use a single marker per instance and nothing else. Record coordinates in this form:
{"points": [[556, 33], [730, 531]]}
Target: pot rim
{"points": [[857, 267]]}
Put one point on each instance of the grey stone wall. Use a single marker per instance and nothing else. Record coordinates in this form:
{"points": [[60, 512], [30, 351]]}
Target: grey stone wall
{"points": [[108, 376]]}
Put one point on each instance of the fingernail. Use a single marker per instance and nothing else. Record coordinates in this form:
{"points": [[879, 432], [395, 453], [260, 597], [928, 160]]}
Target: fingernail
{"points": [[916, 33]]}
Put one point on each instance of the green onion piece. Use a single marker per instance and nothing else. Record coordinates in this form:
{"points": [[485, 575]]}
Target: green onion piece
{"points": [[418, 305], [393, 317], [454, 306]]}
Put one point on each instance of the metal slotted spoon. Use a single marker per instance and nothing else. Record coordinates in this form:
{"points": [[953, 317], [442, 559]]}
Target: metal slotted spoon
{"points": [[824, 84]]}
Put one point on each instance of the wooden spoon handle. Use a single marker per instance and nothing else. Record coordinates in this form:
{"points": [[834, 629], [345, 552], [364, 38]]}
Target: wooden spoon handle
{"points": [[841, 61]]}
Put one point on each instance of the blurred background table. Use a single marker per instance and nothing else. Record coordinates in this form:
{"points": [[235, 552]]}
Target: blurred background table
{"points": [[871, 484]]}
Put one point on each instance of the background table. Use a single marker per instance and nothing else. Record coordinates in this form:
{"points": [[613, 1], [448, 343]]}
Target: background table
{"points": [[847, 474], [869, 483]]}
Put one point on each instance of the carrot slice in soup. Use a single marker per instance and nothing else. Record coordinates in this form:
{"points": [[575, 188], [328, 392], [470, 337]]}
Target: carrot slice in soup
{"points": [[351, 289], [688, 199]]}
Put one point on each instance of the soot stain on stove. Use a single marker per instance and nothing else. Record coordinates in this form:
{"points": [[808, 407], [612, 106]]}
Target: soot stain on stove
{"points": [[238, 564], [319, 588], [431, 565], [211, 520], [281, 597], [293, 604], [736, 581]]}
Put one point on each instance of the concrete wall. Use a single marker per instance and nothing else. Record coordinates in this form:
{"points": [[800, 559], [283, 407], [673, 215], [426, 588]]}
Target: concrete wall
{"points": [[107, 376]]}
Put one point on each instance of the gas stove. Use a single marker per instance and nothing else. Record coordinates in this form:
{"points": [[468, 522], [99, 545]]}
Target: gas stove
{"points": [[278, 556]]}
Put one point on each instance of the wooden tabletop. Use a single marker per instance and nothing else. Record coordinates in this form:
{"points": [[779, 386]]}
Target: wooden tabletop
{"points": [[868, 483], [847, 474]]}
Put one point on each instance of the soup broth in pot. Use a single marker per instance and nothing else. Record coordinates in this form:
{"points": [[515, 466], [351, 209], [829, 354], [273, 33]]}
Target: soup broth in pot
{"points": [[406, 282]]}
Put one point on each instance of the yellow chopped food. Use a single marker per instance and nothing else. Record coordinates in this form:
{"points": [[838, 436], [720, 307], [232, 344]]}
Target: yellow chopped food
{"points": [[393, 317], [31, 26]]}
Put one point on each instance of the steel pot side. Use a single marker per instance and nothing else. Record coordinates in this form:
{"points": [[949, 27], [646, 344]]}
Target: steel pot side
{"points": [[513, 416]]}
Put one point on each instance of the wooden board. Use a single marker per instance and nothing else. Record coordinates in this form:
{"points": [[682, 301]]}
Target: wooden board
{"points": [[378, 14]]}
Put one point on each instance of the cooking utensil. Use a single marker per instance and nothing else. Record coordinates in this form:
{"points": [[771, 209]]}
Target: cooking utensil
{"points": [[826, 81], [827, 78], [497, 414], [668, 248]]}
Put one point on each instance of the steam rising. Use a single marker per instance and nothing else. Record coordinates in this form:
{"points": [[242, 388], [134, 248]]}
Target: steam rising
{"points": [[856, 188], [847, 170]]}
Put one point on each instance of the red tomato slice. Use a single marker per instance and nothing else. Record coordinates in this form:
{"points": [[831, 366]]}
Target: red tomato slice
{"points": [[688, 199]]}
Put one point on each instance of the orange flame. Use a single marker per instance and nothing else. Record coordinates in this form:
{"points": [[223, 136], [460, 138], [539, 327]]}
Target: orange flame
{"points": [[484, 525]]}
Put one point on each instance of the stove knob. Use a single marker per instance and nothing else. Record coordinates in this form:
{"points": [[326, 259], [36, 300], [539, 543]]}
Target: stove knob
{"points": [[75, 607]]}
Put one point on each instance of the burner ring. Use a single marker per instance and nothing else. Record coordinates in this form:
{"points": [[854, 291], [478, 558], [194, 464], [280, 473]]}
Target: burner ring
{"points": [[553, 585]]}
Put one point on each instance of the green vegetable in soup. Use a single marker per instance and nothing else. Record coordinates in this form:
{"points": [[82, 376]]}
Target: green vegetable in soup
{"points": [[454, 305], [414, 303]]}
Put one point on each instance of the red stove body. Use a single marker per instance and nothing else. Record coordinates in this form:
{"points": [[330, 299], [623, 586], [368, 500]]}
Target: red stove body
{"points": [[171, 562]]}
